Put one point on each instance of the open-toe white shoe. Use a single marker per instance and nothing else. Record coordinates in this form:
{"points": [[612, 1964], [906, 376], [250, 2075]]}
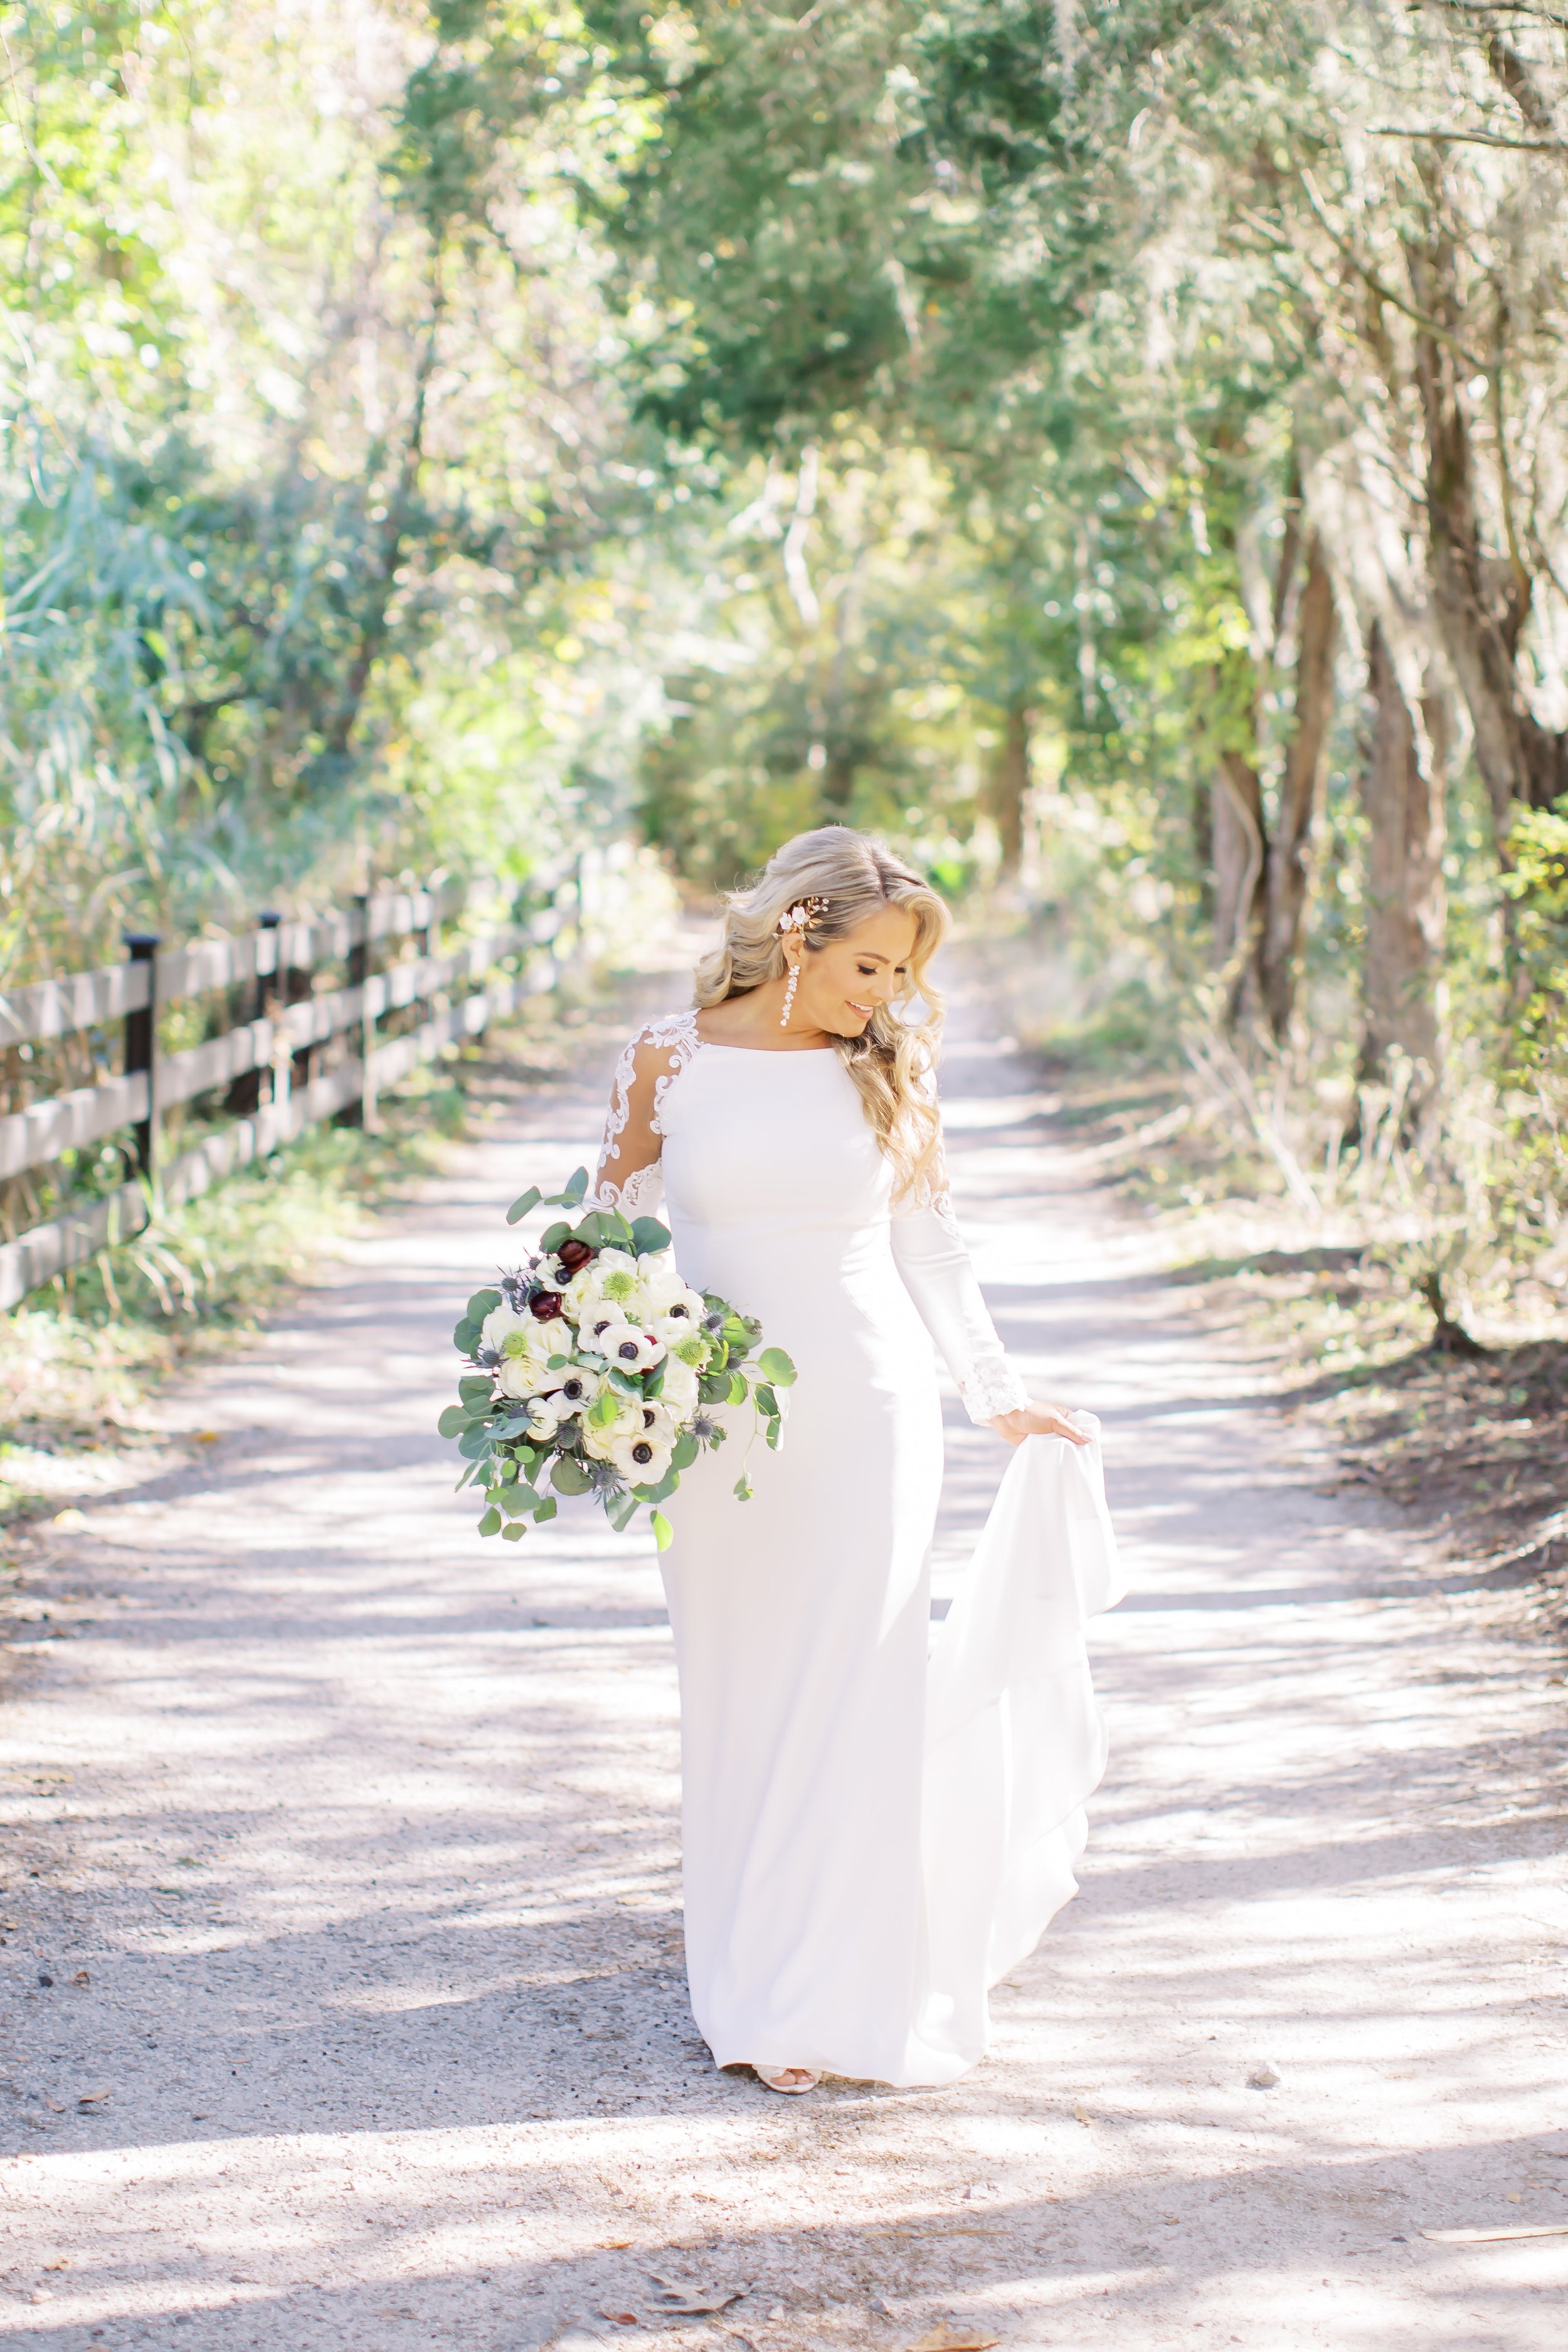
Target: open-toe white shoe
{"points": [[791, 2079]]}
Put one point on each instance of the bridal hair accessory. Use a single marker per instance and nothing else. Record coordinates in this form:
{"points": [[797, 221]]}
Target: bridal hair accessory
{"points": [[798, 917], [802, 914], [592, 1368]]}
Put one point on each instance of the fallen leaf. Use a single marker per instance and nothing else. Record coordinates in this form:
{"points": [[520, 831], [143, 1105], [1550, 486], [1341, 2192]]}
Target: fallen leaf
{"points": [[1080, 2115], [621, 2318], [81, 1977], [60, 2263], [1262, 2078], [956, 2340], [616, 2245], [94, 2099], [1486, 2237], [53, 2106]]}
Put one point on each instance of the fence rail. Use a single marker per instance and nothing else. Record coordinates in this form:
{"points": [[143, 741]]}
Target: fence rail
{"points": [[273, 1052]]}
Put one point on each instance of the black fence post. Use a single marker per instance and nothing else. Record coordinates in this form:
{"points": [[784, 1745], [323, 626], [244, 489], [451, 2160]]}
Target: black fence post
{"points": [[362, 1112], [245, 1093], [142, 1052]]}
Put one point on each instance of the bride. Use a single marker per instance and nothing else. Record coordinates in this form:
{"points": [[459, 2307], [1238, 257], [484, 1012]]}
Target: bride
{"points": [[792, 1120]]}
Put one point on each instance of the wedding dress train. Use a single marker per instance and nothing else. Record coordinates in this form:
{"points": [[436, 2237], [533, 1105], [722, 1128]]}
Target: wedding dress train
{"points": [[869, 1842]]}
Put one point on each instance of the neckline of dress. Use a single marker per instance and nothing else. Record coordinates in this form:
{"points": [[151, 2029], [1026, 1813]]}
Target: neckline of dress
{"points": [[779, 1053]]}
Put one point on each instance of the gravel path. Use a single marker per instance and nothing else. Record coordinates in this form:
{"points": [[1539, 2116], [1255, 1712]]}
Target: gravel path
{"points": [[342, 1995]]}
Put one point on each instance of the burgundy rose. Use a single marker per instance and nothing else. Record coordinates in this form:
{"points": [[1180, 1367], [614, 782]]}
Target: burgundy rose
{"points": [[575, 1255], [545, 1305]]}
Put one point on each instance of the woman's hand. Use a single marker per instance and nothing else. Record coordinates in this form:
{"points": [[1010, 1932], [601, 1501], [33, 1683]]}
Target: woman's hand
{"points": [[1036, 1420]]}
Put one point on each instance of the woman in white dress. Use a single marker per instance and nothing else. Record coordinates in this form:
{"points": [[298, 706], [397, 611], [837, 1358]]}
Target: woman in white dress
{"points": [[793, 1122]]}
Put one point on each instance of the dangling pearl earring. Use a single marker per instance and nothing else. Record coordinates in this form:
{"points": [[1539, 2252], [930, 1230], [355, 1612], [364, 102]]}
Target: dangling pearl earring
{"points": [[789, 995]]}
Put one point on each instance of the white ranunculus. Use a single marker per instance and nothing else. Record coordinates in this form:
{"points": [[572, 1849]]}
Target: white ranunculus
{"points": [[501, 1320], [516, 1379], [613, 1282], [525, 1357], [679, 1393], [659, 1279]]}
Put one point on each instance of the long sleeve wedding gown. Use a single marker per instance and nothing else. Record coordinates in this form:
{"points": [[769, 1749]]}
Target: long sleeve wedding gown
{"points": [[868, 1844]]}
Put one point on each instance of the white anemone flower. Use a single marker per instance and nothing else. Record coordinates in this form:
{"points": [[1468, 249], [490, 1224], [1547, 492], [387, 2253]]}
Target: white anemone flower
{"points": [[578, 1389], [637, 1443], [631, 1349], [676, 1318]]}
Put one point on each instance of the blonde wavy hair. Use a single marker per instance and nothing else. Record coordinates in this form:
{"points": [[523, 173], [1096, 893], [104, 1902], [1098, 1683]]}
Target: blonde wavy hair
{"points": [[894, 1060]]}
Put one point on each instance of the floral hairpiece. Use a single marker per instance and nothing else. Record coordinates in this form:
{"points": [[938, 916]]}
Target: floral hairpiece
{"points": [[805, 912]]}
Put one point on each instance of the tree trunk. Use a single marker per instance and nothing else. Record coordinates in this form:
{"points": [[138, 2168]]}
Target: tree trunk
{"points": [[1241, 860], [1010, 783], [1481, 603], [1405, 913], [1289, 851]]}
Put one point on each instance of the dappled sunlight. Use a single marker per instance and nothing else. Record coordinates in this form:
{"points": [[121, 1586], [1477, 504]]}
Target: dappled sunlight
{"points": [[368, 1846]]}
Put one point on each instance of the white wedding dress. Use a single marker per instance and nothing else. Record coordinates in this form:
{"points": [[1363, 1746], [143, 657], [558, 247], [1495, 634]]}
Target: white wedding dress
{"points": [[869, 1842]]}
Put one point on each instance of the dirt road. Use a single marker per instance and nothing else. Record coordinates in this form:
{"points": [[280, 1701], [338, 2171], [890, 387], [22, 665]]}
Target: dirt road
{"points": [[361, 1837]]}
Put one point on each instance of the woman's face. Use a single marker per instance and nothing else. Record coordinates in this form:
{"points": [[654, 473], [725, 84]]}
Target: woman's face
{"points": [[842, 983]]}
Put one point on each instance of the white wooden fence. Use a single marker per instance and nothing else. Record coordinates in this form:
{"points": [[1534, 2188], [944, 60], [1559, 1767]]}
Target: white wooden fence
{"points": [[267, 1063]]}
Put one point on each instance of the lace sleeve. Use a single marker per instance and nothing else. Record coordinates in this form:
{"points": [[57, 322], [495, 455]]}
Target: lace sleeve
{"points": [[934, 1263], [628, 1176]]}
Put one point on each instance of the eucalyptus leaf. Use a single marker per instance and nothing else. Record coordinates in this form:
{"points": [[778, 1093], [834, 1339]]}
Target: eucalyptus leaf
{"points": [[743, 1488], [776, 1434], [666, 1487], [514, 1530], [685, 1452], [481, 1304], [569, 1477], [465, 1337], [453, 1420], [548, 1508], [621, 1510], [662, 1530], [737, 1388], [553, 1235], [474, 1442], [766, 1401], [777, 1367], [647, 1235], [489, 1525], [475, 1389], [524, 1202], [576, 1185]]}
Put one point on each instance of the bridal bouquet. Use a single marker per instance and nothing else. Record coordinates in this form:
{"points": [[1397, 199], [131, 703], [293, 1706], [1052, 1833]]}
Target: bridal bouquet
{"points": [[593, 1369]]}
